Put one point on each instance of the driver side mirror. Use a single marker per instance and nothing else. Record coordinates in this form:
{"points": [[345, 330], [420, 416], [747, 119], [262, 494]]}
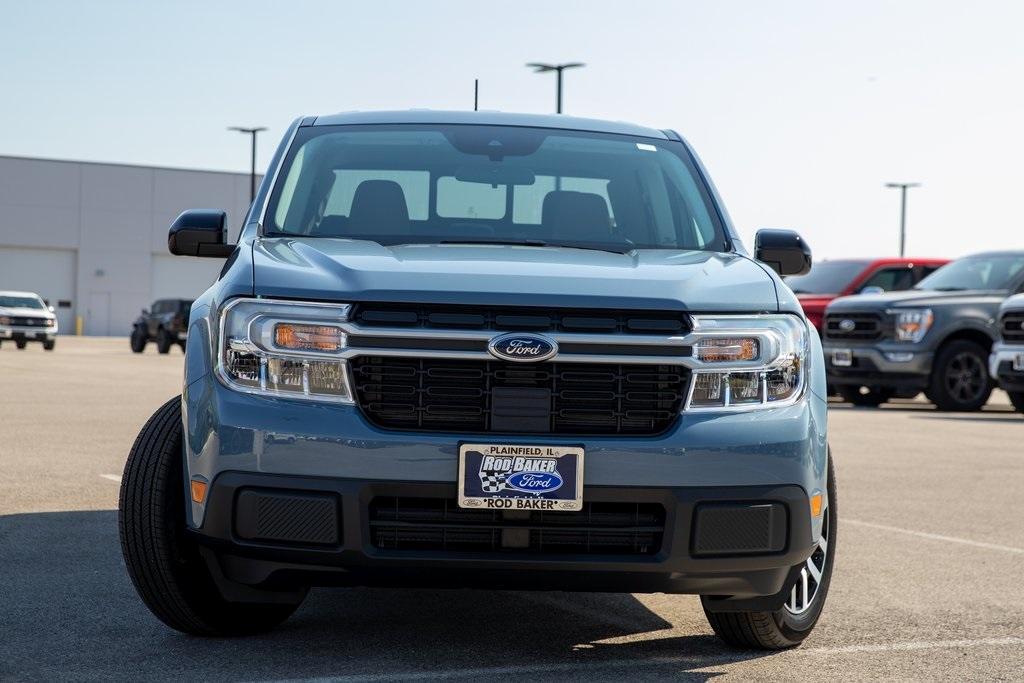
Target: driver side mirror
{"points": [[200, 232], [783, 251]]}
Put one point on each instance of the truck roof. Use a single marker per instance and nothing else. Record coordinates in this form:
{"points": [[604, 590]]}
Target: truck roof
{"points": [[11, 292], [484, 118]]}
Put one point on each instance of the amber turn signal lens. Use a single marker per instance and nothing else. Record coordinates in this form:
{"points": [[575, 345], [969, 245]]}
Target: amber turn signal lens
{"points": [[727, 349], [816, 505], [308, 337], [198, 491]]}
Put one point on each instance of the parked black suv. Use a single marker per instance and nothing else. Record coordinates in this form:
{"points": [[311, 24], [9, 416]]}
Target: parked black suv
{"points": [[166, 323], [934, 338]]}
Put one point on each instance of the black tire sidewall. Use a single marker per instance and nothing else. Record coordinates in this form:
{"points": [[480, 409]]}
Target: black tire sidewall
{"points": [[874, 398], [138, 341]]}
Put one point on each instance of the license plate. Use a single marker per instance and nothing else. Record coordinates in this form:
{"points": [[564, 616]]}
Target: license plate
{"points": [[519, 477], [842, 358], [1018, 362]]}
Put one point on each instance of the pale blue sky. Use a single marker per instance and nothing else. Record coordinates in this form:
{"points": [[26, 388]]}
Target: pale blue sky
{"points": [[801, 110]]}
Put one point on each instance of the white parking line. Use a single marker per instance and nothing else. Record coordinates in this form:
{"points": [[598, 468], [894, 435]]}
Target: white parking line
{"points": [[633, 663], [111, 477], [935, 537]]}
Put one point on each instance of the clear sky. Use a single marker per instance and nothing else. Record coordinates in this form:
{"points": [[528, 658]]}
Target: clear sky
{"points": [[800, 110]]}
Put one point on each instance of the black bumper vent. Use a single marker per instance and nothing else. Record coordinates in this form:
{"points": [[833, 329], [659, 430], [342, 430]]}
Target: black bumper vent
{"points": [[493, 396], [433, 524], [739, 529], [1012, 326], [287, 517], [854, 326]]}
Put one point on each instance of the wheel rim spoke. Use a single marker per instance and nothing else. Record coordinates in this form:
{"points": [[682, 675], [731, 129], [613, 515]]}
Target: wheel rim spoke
{"points": [[805, 588]]}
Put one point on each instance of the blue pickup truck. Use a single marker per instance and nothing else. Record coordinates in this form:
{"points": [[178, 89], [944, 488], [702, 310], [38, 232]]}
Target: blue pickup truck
{"points": [[487, 350]]}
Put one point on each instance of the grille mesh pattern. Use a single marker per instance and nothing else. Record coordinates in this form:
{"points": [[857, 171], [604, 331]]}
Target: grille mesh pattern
{"points": [[402, 523], [1012, 326], [739, 529], [585, 398], [866, 326]]}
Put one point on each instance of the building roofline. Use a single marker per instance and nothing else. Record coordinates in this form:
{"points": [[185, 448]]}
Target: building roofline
{"points": [[20, 157]]}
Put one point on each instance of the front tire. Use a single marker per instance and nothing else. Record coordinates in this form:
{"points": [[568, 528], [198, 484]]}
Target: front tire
{"points": [[164, 564], [865, 397], [20, 343], [163, 341], [49, 345], [960, 379], [138, 340], [790, 625]]}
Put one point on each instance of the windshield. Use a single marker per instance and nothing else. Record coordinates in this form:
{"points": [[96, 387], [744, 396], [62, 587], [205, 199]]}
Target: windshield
{"points": [[827, 277], [406, 184], [976, 272], [10, 301]]}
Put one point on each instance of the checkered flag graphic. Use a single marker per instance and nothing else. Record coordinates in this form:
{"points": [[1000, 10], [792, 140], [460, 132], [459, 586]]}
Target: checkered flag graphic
{"points": [[492, 481]]}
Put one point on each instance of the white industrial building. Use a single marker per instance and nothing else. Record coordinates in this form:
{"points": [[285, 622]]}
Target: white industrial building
{"points": [[91, 238]]}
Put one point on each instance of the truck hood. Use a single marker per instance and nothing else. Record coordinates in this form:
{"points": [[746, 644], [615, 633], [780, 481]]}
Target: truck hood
{"points": [[359, 270], [913, 298], [25, 312]]}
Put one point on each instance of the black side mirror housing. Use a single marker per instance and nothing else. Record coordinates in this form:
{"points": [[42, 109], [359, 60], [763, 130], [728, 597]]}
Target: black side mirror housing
{"points": [[200, 232], [783, 251]]}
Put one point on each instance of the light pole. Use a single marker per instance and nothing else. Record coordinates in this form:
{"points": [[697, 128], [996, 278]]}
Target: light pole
{"points": [[903, 210], [252, 166], [540, 68]]}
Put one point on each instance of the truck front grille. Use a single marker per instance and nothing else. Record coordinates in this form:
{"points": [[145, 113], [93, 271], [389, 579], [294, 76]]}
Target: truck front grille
{"points": [[28, 322], [600, 528], [1012, 326], [854, 326], [428, 394]]}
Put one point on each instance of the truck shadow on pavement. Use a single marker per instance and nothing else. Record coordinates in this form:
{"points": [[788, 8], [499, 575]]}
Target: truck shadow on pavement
{"points": [[68, 610]]}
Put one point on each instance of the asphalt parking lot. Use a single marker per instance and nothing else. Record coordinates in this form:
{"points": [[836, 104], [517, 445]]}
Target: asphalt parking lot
{"points": [[929, 581]]}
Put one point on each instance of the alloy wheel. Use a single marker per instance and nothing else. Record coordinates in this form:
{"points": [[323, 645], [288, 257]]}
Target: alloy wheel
{"points": [[965, 377], [801, 597]]}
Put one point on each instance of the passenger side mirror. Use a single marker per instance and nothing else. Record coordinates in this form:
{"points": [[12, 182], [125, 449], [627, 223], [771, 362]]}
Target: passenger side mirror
{"points": [[200, 232], [783, 251]]}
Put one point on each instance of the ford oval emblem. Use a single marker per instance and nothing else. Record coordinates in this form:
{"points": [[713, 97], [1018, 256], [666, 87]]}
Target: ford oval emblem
{"points": [[847, 325], [534, 482], [522, 348]]}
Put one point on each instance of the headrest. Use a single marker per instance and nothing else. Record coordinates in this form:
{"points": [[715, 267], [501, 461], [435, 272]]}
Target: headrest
{"points": [[378, 207], [576, 215]]}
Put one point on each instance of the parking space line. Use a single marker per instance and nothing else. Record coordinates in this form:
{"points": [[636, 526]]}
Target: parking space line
{"points": [[935, 537], [633, 663], [111, 477]]}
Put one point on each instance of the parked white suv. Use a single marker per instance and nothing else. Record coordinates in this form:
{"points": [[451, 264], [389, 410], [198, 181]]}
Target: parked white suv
{"points": [[1006, 364], [25, 317]]}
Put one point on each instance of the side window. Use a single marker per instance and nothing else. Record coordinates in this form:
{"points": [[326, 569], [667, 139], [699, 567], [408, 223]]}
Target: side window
{"points": [[924, 271], [891, 279], [415, 186]]}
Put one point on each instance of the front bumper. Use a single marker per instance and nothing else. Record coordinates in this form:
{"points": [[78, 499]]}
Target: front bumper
{"points": [[871, 366], [1000, 366], [19, 333], [354, 543]]}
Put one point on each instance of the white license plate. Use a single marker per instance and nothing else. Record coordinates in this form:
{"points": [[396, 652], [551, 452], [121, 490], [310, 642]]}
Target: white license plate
{"points": [[520, 477], [842, 358], [1018, 362]]}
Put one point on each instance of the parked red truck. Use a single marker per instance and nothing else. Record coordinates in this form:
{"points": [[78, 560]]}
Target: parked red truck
{"points": [[830, 279]]}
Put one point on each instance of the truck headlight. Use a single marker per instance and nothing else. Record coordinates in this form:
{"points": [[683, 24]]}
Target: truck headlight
{"points": [[912, 323], [745, 362], [286, 349]]}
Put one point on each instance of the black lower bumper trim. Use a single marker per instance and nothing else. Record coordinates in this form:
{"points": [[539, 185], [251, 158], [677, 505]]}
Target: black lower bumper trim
{"points": [[674, 567]]}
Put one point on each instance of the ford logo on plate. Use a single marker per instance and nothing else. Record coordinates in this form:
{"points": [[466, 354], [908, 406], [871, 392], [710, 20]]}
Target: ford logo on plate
{"points": [[522, 348], [534, 482], [847, 325]]}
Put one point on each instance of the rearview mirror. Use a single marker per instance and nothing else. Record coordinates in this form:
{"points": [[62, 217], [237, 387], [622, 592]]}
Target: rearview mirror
{"points": [[200, 232], [783, 251]]}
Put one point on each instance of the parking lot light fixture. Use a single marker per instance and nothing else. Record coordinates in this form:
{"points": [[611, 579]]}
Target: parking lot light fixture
{"points": [[903, 211], [540, 67], [252, 165]]}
